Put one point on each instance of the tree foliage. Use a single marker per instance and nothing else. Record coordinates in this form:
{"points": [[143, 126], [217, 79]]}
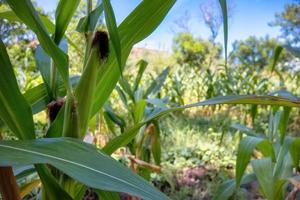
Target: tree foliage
{"points": [[289, 23], [255, 52], [195, 52]]}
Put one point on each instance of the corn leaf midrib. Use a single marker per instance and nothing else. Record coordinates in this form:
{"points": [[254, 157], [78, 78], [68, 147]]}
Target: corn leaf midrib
{"points": [[68, 162]]}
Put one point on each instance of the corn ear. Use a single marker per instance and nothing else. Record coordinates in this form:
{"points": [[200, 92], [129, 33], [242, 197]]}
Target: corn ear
{"points": [[71, 127], [85, 89]]}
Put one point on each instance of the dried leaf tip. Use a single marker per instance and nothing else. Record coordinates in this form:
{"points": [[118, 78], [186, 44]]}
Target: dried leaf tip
{"points": [[102, 42]]}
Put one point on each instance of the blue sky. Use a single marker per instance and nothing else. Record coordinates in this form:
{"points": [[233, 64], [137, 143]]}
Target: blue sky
{"points": [[249, 17]]}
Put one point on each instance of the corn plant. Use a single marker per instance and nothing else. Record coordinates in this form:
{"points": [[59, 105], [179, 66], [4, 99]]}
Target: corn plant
{"points": [[275, 160], [71, 164], [140, 103]]}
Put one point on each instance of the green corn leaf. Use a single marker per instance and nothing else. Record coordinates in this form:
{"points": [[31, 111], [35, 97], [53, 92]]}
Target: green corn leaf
{"points": [[295, 151], [142, 67], [75, 158], [225, 27], [12, 17], [38, 98], [22, 172], [271, 187], [118, 120], [156, 84], [128, 135], [284, 93], [63, 15], [276, 55], [14, 109], [26, 12], [253, 113], [155, 144], [89, 23], [122, 140], [246, 147], [113, 31], [43, 63], [246, 130], [139, 110], [126, 88], [50, 184], [263, 168], [283, 167], [283, 124], [227, 189], [106, 195], [122, 96], [109, 123]]}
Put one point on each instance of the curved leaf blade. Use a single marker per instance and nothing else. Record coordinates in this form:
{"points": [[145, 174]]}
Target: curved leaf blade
{"points": [[26, 12], [75, 158], [223, 4], [128, 135], [113, 31], [246, 147], [295, 151], [227, 189], [89, 23], [14, 109], [263, 168], [63, 15], [142, 67], [276, 55]]}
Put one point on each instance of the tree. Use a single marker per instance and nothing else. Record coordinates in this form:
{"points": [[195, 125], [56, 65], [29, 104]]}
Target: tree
{"points": [[195, 52], [289, 23], [255, 52]]}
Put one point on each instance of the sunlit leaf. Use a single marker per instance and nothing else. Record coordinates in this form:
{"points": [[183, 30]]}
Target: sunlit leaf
{"points": [[88, 23], [156, 84], [276, 55], [63, 15], [142, 66], [227, 189], [76, 158], [26, 12], [14, 109], [113, 31], [223, 4]]}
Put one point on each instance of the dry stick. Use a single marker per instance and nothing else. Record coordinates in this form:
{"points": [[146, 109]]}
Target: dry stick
{"points": [[144, 164], [8, 185]]}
